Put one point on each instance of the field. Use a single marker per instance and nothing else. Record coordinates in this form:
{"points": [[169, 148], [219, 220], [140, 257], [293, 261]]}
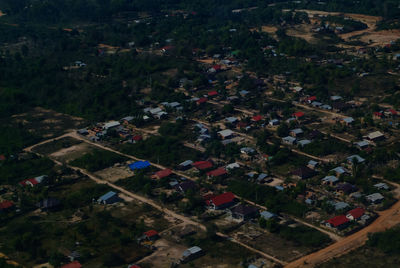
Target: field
{"points": [[47, 123], [56, 145]]}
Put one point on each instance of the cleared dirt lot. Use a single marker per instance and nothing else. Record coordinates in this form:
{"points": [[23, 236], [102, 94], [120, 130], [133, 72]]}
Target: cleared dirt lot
{"points": [[69, 154], [113, 174]]}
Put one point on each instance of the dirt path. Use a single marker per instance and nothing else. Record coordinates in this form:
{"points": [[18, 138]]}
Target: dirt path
{"points": [[387, 219]]}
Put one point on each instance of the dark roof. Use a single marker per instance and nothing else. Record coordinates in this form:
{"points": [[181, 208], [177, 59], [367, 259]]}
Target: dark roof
{"points": [[185, 186], [339, 105], [244, 209], [6, 205], [48, 203], [304, 172], [346, 187]]}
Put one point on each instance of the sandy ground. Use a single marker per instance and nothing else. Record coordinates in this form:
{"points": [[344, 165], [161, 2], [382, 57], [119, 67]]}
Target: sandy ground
{"points": [[71, 153], [1, 13], [167, 252], [113, 174]]}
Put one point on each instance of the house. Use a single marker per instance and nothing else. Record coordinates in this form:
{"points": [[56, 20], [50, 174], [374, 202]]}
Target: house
{"points": [[339, 171], [185, 165], [221, 201], [201, 101], [219, 172], [355, 159], [74, 264], [261, 177], [268, 215], [133, 266], [109, 198], [390, 113], [303, 173], [212, 93], [232, 166], [247, 150], [315, 134], [257, 118], [376, 136], [296, 132], [151, 235], [244, 212], [340, 205], [226, 134], [273, 122], [298, 115], [139, 165], [303, 143], [338, 222], [326, 107], [381, 186], [185, 186], [6, 206], [310, 99], [191, 254], [289, 140], [83, 132], [330, 180], [377, 115], [375, 198], [336, 98], [316, 104], [127, 119], [362, 145], [355, 214], [348, 120], [345, 188], [162, 174], [312, 164], [202, 165], [33, 181], [231, 120], [48, 204], [111, 125]]}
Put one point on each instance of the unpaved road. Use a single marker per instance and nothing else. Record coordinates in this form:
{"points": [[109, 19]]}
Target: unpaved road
{"points": [[387, 219]]}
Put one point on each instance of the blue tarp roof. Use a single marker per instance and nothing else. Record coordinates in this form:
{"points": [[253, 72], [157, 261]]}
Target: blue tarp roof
{"points": [[107, 196], [139, 165]]}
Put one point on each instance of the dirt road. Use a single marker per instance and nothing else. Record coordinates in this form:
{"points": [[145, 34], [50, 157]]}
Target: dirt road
{"points": [[387, 219]]}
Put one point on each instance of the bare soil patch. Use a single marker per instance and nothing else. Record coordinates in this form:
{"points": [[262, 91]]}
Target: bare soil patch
{"points": [[113, 174]]}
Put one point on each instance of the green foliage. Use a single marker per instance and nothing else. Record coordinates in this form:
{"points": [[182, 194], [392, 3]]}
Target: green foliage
{"points": [[15, 138], [97, 160], [387, 241], [13, 171]]}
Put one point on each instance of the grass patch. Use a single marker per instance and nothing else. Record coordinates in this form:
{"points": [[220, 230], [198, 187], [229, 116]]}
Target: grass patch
{"points": [[97, 160]]}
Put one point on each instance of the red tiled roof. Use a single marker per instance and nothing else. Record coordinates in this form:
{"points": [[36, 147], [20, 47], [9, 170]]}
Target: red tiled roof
{"points": [[357, 212], [217, 172], [202, 100], [151, 233], [217, 67], [212, 93], [134, 266], [298, 114], [202, 164], [338, 220], [6, 204], [393, 112], [312, 98], [257, 118], [163, 173], [222, 199], [137, 138], [74, 264]]}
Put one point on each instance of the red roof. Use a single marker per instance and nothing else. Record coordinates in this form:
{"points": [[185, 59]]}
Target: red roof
{"points": [[163, 173], [356, 213], [298, 114], [338, 220], [212, 93], [221, 199], [134, 266], [2, 157], [6, 204], [151, 233], [137, 138], [28, 182], [217, 67], [377, 114], [202, 165], [257, 118], [202, 100], [217, 172], [74, 264], [312, 98], [393, 112], [166, 48], [241, 124]]}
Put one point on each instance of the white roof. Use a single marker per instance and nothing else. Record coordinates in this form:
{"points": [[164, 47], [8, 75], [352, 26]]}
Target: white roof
{"points": [[155, 110], [192, 250], [374, 135], [111, 124], [374, 197], [232, 166], [330, 179], [225, 132]]}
